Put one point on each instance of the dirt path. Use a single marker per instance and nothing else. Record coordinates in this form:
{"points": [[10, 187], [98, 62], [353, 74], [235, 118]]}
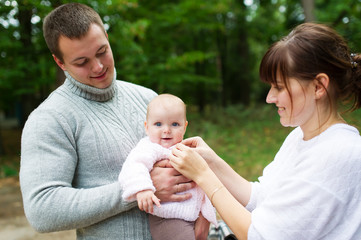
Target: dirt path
{"points": [[13, 224]]}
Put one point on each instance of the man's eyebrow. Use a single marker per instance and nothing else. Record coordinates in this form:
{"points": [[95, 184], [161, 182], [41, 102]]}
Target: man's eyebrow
{"points": [[102, 46], [81, 58], [77, 59]]}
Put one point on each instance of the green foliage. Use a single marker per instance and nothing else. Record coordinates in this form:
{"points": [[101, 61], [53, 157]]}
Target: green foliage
{"points": [[205, 51], [9, 170]]}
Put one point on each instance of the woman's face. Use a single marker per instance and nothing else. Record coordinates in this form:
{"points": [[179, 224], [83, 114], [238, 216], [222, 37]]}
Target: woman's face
{"points": [[296, 105]]}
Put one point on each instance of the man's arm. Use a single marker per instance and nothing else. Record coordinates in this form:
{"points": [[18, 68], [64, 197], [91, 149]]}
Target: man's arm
{"points": [[168, 181], [48, 164]]}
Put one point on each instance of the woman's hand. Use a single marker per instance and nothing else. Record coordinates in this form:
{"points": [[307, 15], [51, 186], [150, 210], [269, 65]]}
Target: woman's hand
{"points": [[201, 147], [188, 162]]}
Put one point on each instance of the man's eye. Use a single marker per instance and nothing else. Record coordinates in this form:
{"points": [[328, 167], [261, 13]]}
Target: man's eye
{"points": [[102, 52], [82, 63], [175, 124]]}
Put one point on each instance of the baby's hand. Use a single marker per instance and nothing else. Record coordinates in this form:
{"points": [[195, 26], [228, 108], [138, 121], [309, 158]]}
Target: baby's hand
{"points": [[146, 199]]}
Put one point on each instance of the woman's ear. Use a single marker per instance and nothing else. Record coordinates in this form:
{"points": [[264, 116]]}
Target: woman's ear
{"points": [[321, 85]]}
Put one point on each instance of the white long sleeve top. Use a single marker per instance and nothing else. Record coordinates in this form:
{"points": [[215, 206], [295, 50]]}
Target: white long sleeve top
{"points": [[134, 177], [312, 189]]}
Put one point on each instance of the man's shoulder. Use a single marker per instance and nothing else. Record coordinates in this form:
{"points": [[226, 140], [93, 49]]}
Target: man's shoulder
{"points": [[135, 90], [124, 84]]}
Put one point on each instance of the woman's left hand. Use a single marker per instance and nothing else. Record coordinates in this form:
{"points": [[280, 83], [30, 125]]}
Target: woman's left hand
{"points": [[188, 162]]}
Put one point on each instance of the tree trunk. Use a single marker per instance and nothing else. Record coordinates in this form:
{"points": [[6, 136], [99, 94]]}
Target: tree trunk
{"points": [[241, 61], [222, 63], [308, 8], [25, 27]]}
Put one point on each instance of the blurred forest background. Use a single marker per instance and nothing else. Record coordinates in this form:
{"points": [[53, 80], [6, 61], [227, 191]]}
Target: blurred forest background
{"points": [[205, 51]]}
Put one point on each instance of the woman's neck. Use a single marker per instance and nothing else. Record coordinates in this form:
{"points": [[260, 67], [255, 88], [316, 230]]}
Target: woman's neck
{"points": [[322, 125]]}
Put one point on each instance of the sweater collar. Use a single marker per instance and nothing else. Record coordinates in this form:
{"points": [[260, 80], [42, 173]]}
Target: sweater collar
{"points": [[89, 92]]}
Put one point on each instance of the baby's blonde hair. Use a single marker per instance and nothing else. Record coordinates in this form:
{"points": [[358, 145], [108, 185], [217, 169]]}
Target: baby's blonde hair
{"points": [[166, 100]]}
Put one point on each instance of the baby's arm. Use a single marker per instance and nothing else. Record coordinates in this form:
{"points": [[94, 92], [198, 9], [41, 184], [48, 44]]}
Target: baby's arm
{"points": [[146, 199]]}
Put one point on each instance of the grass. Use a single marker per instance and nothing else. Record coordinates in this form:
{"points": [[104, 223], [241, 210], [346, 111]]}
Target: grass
{"points": [[246, 137]]}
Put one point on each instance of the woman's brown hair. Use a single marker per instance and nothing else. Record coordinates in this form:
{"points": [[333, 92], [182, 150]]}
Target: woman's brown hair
{"points": [[311, 49]]}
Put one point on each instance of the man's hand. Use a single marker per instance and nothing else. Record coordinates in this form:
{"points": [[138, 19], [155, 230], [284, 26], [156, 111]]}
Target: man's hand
{"points": [[168, 181], [201, 228]]}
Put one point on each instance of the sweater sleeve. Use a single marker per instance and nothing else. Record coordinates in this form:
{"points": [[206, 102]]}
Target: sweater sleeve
{"points": [[306, 212], [134, 176], [48, 164]]}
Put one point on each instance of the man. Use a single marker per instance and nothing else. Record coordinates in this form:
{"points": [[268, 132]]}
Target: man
{"points": [[75, 142]]}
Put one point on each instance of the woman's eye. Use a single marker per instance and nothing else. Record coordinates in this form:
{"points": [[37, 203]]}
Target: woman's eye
{"points": [[277, 87]]}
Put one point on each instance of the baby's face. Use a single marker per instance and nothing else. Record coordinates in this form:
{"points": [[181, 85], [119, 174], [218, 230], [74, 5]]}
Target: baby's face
{"points": [[166, 126]]}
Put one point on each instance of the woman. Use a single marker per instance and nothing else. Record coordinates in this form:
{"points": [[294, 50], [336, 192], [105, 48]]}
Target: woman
{"points": [[312, 189]]}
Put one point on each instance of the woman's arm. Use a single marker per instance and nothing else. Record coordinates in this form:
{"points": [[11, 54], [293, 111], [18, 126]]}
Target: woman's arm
{"points": [[239, 187], [192, 165]]}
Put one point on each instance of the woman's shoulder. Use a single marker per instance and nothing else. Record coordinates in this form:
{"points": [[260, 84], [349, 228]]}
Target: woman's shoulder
{"points": [[343, 135], [340, 145]]}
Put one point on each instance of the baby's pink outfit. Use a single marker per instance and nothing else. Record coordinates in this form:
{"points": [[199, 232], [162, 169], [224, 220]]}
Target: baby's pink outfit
{"points": [[134, 177]]}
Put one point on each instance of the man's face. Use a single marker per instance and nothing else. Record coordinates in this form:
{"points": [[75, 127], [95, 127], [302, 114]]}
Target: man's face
{"points": [[88, 60]]}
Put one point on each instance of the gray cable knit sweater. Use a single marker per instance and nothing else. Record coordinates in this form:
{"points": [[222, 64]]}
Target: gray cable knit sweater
{"points": [[73, 147]]}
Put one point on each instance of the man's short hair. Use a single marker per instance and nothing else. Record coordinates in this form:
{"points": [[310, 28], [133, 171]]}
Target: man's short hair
{"points": [[70, 20]]}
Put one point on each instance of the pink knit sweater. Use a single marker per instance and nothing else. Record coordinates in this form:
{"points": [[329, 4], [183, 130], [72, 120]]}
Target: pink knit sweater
{"points": [[134, 177]]}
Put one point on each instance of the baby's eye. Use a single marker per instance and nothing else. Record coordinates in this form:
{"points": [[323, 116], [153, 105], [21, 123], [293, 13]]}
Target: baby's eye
{"points": [[175, 124], [158, 124]]}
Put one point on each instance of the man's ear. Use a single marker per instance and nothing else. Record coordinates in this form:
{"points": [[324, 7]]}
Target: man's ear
{"points": [[59, 62], [321, 82]]}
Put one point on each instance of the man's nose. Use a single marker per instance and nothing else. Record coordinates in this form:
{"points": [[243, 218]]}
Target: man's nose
{"points": [[97, 65]]}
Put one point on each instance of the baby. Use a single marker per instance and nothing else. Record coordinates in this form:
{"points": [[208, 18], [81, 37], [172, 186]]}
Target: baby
{"points": [[165, 126]]}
